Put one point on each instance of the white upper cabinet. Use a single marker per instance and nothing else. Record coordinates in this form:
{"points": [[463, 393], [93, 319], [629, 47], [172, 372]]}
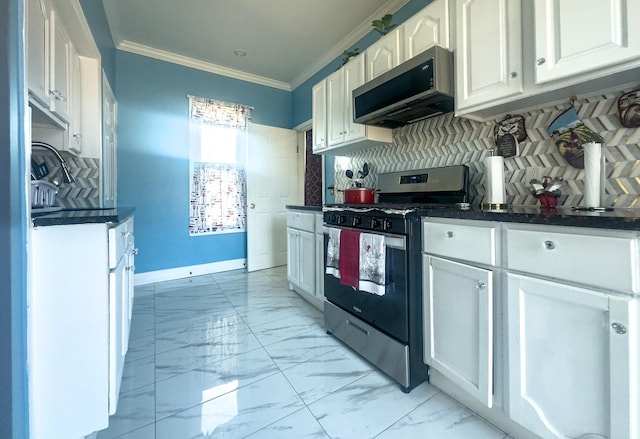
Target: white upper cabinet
{"points": [[429, 27], [319, 116], [341, 132], [384, 54], [37, 50], [572, 37], [59, 68], [340, 126], [489, 51]]}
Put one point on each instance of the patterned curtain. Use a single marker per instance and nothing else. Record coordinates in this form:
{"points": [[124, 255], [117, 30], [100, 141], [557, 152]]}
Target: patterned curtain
{"points": [[219, 113], [217, 199], [217, 189]]}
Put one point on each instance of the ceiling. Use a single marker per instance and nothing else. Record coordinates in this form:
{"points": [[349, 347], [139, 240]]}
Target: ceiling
{"points": [[285, 43]]}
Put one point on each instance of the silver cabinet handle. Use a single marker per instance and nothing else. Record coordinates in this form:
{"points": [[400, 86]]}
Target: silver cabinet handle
{"points": [[541, 61], [449, 234], [549, 245], [481, 285], [513, 75], [619, 328]]}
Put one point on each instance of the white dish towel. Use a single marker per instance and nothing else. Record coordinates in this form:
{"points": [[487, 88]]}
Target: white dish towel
{"points": [[333, 253], [372, 264]]}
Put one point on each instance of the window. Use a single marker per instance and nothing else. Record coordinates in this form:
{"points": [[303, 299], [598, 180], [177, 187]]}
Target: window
{"points": [[218, 149]]}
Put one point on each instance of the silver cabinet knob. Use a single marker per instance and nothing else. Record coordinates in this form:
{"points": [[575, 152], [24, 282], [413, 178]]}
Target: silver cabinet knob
{"points": [[549, 245], [619, 328], [481, 285], [541, 61], [449, 234], [513, 75], [252, 206]]}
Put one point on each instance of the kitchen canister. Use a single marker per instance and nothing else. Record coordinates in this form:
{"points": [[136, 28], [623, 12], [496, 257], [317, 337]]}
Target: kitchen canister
{"points": [[495, 196], [593, 168]]}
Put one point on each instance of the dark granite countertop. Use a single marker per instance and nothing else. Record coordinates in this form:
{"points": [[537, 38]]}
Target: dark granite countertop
{"points": [[309, 208], [81, 216], [618, 218]]}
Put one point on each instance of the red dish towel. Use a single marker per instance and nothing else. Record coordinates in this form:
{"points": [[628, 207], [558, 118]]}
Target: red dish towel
{"points": [[349, 258]]}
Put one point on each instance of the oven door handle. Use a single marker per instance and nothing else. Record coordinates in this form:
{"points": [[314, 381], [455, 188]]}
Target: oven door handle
{"points": [[394, 241]]}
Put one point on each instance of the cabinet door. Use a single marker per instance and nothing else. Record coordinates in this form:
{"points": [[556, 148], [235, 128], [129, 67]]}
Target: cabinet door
{"points": [[429, 27], [117, 345], [59, 66], [458, 322], [384, 54], [335, 108], [488, 52], [307, 261], [75, 105], [571, 38], [570, 352], [353, 74], [109, 145], [320, 266], [37, 50], [293, 257], [319, 116]]}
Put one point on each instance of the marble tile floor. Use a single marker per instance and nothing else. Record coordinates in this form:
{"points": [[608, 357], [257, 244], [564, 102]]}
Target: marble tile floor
{"points": [[237, 355]]}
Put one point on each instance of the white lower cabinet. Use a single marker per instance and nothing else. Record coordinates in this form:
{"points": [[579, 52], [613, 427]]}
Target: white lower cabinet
{"points": [[305, 246], [573, 360], [458, 322], [78, 318], [301, 271]]}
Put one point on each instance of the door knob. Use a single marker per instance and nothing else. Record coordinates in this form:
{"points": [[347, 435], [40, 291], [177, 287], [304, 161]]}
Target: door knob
{"points": [[252, 206]]}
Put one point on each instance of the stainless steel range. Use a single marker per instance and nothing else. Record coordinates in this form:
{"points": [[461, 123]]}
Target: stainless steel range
{"points": [[373, 280]]}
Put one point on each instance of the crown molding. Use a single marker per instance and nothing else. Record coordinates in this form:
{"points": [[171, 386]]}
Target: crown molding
{"points": [[390, 7], [162, 55]]}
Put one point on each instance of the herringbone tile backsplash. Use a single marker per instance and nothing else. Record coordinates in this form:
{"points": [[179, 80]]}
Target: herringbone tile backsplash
{"points": [[448, 140], [85, 191]]}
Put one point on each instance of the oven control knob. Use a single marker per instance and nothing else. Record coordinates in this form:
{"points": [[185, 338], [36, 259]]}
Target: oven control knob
{"points": [[387, 224], [333, 219], [356, 221], [374, 223], [342, 219]]}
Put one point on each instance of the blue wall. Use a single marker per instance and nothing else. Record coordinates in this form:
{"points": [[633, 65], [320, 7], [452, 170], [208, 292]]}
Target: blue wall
{"points": [[13, 225], [153, 155]]}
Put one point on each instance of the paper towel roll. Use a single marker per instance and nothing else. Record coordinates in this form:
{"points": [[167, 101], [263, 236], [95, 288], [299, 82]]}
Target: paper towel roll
{"points": [[592, 174], [494, 179]]}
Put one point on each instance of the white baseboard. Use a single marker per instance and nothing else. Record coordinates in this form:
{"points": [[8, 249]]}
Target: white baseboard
{"points": [[151, 277]]}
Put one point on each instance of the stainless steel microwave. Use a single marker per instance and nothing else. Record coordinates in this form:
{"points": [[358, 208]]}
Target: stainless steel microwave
{"points": [[417, 89]]}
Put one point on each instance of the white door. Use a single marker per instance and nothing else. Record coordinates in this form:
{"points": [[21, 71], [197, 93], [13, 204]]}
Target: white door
{"points": [[272, 184], [569, 354], [488, 51], [572, 38], [458, 324]]}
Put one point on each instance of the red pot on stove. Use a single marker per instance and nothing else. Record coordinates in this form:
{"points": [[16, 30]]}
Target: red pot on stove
{"points": [[359, 195]]}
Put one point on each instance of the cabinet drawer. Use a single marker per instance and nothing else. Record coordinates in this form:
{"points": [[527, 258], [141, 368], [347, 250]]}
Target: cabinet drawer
{"points": [[596, 260], [301, 220], [473, 241]]}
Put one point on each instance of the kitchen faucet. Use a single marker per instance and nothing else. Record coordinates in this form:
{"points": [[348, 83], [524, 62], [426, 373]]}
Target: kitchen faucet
{"points": [[68, 178]]}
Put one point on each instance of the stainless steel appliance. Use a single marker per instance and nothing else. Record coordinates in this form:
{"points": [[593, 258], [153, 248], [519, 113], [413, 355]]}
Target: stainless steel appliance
{"points": [[386, 327], [417, 89]]}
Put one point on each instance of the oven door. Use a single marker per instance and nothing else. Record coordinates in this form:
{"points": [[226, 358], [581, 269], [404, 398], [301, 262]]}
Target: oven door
{"points": [[387, 313]]}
